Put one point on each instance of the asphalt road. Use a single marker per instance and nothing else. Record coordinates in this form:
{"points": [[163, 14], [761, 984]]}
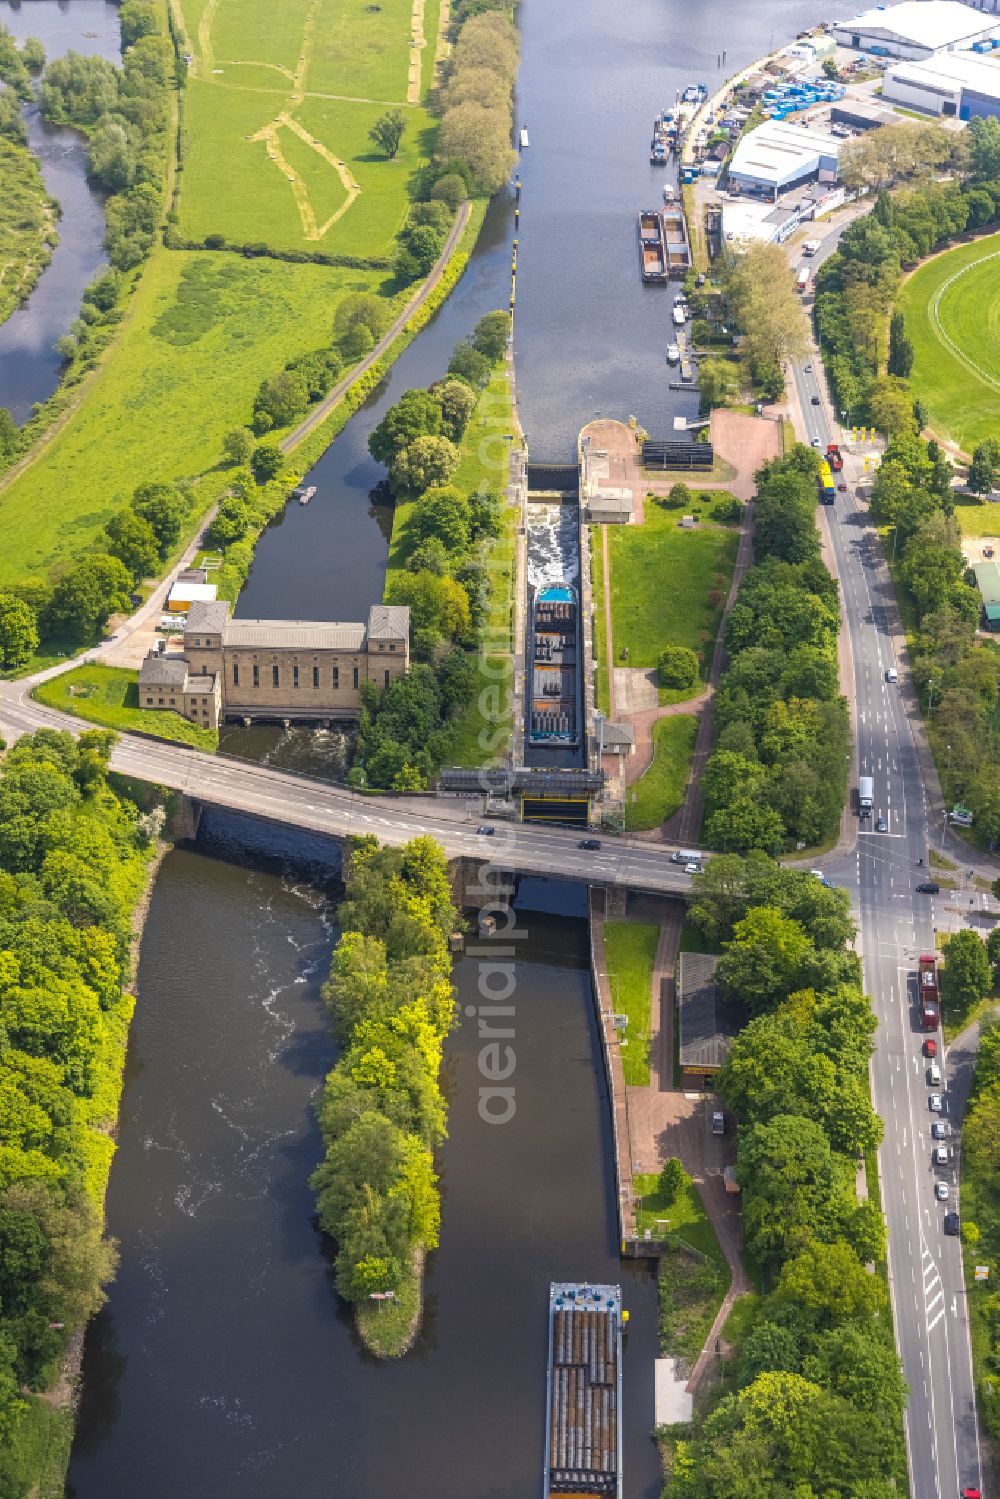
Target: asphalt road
{"points": [[282, 797], [896, 925]]}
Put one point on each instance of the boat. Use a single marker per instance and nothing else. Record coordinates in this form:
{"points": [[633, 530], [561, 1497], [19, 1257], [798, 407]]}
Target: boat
{"points": [[305, 495], [524, 137], [553, 678], [673, 354], [677, 247], [679, 315], [669, 193], [583, 1392], [653, 260]]}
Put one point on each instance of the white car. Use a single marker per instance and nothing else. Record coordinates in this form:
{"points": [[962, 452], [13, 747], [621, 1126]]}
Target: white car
{"points": [[692, 869], [936, 1103], [942, 1155], [941, 1191]]}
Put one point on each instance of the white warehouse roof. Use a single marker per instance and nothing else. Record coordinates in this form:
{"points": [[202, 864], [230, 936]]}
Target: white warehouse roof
{"points": [[778, 152], [947, 73], [925, 24]]}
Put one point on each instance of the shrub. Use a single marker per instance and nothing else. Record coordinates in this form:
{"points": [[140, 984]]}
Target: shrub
{"points": [[677, 667]]}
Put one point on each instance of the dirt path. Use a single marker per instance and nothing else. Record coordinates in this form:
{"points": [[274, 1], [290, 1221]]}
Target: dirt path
{"points": [[727, 1231]]}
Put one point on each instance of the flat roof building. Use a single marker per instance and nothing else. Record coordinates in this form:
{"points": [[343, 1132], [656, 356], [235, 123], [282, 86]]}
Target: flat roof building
{"points": [[707, 1020], [779, 155], [963, 85], [914, 28]]}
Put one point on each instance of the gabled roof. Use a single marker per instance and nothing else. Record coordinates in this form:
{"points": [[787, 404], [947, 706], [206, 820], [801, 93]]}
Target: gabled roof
{"points": [[290, 634]]}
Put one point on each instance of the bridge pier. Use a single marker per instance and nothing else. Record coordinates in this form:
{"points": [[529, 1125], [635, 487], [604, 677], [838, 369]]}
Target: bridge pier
{"points": [[615, 901], [475, 884], [186, 819]]}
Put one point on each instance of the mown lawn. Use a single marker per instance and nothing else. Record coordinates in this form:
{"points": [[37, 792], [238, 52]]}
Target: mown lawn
{"points": [[108, 695], [960, 390], [691, 1287], [657, 795], [203, 330], [978, 518], [258, 65], [668, 585], [630, 951]]}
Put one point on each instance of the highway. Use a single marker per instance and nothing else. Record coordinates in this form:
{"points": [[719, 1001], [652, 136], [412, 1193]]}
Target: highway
{"points": [[897, 924], [322, 808]]}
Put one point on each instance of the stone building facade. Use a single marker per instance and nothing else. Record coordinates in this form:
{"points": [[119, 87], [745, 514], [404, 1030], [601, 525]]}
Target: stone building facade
{"points": [[275, 668]]}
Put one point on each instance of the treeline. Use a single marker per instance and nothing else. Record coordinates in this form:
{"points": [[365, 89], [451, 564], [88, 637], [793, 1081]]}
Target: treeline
{"points": [[819, 1393], [72, 856], [856, 287], [406, 732], [778, 773], [955, 671], [981, 1198], [125, 115], [382, 1112], [474, 149]]}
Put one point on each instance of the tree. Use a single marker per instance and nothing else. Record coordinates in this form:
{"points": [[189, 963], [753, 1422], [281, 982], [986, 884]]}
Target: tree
{"points": [[237, 447], [451, 190], [440, 605], [280, 399], [985, 464], [268, 460], [231, 522], [18, 632], [442, 515], [490, 335], [164, 508], [111, 157], [417, 413], [981, 1131], [984, 156], [993, 949], [671, 1180], [966, 975], [891, 407], [478, 137], [900, 348], [387, 131], [84, 597], [767, 958], [827, 1285], [33, 54], [130, 538], [677, 667], [457, 404], [361, 309], [425, 462], [470, 365]]}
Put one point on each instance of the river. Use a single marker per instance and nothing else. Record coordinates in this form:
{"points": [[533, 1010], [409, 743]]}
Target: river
{"points": [[223, 1364], [29, 365]]}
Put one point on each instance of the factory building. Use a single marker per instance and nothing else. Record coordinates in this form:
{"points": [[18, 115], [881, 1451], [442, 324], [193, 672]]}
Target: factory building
{"points": [[962, 85], [779, 155], [915, 28]]}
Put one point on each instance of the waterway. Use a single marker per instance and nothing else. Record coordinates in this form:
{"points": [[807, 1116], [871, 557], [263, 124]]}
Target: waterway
{"points": [[223, 1366], [29, 364]]}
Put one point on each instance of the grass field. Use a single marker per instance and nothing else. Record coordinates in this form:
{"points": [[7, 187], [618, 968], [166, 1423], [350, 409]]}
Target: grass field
{"points": [[952, 311], [668, 586], [203, 330], [108, 695], [657, 795], [977, 519], [691, 1288], [277, 112], [630, 950]]}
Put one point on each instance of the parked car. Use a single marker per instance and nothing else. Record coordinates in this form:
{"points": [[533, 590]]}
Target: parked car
{"points": [[718, 1122], [591, 843], [939, 1130], [815, 442], [692, 868], [941, 1191], [951, 1223], [934, 1076], [930, 1047], [928, 887], [486, 831], [936, 1103], [814, 400], [941, 1155]]}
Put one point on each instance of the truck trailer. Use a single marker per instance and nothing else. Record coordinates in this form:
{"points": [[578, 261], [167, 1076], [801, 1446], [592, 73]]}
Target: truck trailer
{"points": [[927, 988], [866, 795]]}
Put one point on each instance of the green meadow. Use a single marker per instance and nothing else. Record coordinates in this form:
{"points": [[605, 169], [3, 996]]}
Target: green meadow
{"points": [[203, 330]]}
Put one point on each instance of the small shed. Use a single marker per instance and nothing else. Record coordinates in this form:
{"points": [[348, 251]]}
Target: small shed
{"points": [[988, 583], [707, 1020], [183, 594], [607, 506]]}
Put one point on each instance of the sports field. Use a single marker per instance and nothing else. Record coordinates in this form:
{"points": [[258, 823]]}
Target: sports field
{"points": [[952, 311], [278, 107], [204, 329]]}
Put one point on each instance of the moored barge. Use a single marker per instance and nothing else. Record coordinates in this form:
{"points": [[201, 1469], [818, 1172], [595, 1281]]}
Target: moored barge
{"points": [[652, 251], [583, 1428]]}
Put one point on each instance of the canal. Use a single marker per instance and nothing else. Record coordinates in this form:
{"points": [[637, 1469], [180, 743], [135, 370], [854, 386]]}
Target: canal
{"points": [[29, 364], [224, 1366]]}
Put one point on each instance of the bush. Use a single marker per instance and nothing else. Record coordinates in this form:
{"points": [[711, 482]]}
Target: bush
{"points": [[268, 460], [677, 667], [449, 189]]}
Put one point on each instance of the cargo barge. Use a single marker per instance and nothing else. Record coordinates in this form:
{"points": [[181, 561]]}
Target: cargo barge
{"points": [[583, 1427], [652, 251], [555, 656], [676, 244]]}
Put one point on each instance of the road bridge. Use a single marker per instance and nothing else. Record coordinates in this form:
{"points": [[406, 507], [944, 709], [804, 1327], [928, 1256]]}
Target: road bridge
{"points": [[298, 801]]}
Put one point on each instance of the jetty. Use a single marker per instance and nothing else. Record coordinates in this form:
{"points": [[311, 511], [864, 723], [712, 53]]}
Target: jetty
{"points": [[583, 1429]]}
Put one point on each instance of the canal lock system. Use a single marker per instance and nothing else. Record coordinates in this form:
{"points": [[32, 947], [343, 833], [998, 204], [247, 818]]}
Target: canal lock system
{"points": [[224, 1364]]}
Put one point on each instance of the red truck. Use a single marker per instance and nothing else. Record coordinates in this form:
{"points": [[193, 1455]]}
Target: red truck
{"points": [[930, 1004], [834, 457]]}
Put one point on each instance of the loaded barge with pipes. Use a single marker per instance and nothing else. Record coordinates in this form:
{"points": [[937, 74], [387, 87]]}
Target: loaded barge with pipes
{"points": [[583, 1429], [555, 658]]}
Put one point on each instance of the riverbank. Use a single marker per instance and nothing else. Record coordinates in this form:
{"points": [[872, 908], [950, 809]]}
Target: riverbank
{"points": [[27, 226]]}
